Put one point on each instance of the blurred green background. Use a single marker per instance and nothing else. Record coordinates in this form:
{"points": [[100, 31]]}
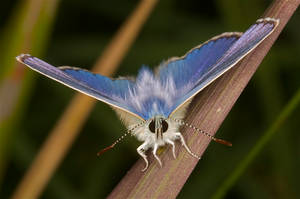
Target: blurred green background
{"points": [[78, 33]]}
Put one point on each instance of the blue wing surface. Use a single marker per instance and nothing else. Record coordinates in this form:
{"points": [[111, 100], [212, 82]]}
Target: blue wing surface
{"points": [[110, 88], [198, 60], [225, 57], [178, 80], [97, 86]]}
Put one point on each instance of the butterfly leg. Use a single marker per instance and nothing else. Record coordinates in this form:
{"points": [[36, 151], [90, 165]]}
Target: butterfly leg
{"points": [[142, 152], [155, 155], [173, 147], [180, 137]]}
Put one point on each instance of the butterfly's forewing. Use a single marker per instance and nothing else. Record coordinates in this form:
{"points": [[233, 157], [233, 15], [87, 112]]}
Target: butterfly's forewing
{"points": [[97, 86], [203, 75], [110, 88], [199, 59]]}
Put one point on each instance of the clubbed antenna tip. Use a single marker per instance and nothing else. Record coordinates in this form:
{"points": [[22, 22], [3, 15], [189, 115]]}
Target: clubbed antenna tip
{"points": [[106, 149], [220, 141]]}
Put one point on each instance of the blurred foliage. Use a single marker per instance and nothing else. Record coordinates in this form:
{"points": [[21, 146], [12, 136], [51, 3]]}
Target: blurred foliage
{"points": [[259, 145], [81, 31], [25, 31]]}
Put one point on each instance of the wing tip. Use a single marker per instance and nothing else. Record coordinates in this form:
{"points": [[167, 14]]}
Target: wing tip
{"points": [[268, 20], [21, 58]]}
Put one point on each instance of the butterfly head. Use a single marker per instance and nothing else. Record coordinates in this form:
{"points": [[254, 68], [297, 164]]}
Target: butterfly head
{"points": [[158, 126]]}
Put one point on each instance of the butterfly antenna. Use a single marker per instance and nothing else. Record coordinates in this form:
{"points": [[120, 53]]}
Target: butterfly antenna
{"points": [[129, 131], [203, 132]]}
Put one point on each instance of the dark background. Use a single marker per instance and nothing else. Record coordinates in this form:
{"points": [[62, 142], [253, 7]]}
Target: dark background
{"points": [[81, 31]]}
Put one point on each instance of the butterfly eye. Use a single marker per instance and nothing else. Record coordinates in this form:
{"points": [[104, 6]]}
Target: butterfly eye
{"points": [[152, 126], [165, 126]]}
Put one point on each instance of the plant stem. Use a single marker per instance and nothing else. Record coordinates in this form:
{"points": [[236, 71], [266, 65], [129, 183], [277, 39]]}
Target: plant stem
{"points": [[207, 111]]}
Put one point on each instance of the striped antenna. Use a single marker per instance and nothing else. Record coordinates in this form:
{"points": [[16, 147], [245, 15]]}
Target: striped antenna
{"points": [[129, 131], [203, 132]]}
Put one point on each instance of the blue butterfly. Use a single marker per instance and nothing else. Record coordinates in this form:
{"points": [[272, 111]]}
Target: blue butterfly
{"points": [[154, 105]]}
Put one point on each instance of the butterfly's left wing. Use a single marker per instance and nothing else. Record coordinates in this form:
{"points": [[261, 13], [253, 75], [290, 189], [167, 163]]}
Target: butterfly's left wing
{"points": [[110, 91], [202, 76]]}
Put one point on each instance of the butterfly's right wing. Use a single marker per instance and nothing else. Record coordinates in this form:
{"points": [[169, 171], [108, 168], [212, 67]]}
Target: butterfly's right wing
{"points": [[198, 59], [201, 66], [180, 70], [107, 90]]}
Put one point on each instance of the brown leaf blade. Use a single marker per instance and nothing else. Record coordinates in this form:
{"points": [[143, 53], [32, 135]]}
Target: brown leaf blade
{"points": [[207, 111]]}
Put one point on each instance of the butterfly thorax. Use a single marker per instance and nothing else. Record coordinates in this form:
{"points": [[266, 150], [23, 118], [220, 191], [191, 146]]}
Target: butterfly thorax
{"points": [[152, 96]]}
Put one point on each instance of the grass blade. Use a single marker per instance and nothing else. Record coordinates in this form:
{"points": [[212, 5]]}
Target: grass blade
{"points": [[27, 31], [207, 111]]}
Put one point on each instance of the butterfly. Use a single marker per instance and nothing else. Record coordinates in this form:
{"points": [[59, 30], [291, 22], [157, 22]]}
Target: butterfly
{"points": [[153, 106]]}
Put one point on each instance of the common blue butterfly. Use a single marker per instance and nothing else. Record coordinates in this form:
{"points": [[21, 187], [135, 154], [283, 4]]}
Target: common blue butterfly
{"points": [[154, 105]]}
